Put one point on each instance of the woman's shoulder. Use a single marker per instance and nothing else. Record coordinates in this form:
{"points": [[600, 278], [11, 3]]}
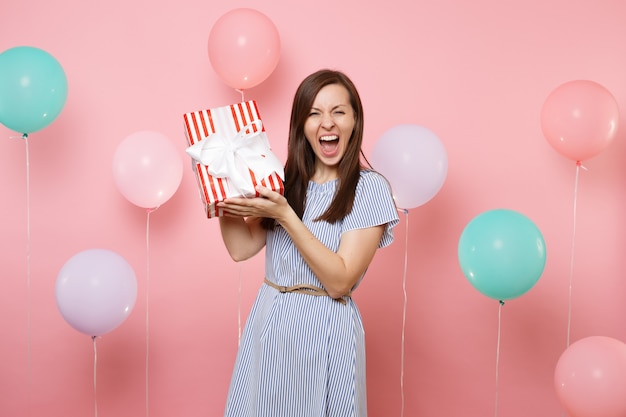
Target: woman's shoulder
{"points": [[371, 176], [373, 181]]}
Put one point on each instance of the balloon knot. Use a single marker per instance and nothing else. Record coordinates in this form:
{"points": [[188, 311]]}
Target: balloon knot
{"points": [[501, 302]]}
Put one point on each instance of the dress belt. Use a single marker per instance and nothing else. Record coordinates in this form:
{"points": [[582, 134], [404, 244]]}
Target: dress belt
{"points": [[304, 289]]}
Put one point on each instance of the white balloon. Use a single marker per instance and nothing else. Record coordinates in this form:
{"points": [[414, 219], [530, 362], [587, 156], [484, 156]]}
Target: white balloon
{"points": [[96, 291], [414, 161]]}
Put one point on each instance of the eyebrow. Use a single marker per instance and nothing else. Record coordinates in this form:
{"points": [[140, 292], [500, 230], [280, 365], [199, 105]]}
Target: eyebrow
{"points": [[333, 108]]}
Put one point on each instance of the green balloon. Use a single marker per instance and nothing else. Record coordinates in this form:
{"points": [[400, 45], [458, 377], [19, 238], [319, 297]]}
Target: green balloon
{"points": [[33, 89], [502, 254]]}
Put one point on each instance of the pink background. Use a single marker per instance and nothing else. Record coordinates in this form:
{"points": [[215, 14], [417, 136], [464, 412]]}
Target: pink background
{"points": [[476, 73]]}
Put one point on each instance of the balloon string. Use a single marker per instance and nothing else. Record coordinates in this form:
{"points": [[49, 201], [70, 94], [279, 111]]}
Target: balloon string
{"points": [[239, 305], [406, 243], [241, 92], [28, 285], [571, 266], [148, 211], [95, 379], [501, 303]]}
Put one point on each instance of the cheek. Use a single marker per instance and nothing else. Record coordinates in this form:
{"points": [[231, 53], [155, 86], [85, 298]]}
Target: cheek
{"points": [[348, 130], [309, 132]]}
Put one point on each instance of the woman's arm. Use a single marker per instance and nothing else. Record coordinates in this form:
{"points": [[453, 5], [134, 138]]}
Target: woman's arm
{"points": [[338, 272], [243, 237]]}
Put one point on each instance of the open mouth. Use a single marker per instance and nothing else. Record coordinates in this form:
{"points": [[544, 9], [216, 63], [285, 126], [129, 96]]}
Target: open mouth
{"points": [[329, 144]]}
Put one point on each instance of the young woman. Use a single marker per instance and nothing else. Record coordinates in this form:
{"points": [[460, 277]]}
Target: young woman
{"points": [[302, 352]]}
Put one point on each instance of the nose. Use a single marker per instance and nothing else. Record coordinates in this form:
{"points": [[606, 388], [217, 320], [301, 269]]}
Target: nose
{"points": [[327, 121]]}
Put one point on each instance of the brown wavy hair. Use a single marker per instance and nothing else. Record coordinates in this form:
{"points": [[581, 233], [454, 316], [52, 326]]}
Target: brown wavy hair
{"points": [[300, 164]]}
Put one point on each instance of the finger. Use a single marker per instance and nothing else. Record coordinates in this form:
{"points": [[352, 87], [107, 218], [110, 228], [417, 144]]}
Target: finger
{"points": [[262, 190], [239, 210], [229, 214], [235, 201], [266, 192]]}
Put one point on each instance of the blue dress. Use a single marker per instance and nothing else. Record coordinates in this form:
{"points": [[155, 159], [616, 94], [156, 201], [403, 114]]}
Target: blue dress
{"points": [[303, 355]]}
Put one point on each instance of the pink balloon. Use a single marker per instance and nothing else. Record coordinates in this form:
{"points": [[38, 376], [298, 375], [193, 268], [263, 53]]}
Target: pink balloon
{"points": [[590, 378], [96, 291], [414, 161], [244, 48], [579, 119], [147, 169]]}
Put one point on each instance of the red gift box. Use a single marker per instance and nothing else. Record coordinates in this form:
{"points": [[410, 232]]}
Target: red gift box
{"points": [[231, 154]]}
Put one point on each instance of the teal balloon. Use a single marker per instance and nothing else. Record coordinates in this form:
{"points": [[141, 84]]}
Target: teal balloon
{"points": [[33, 89], [502, 254]]}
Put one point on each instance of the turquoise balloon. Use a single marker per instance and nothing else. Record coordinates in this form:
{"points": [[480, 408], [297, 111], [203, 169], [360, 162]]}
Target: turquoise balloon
{"points": [[33, 89], [502, 254]]}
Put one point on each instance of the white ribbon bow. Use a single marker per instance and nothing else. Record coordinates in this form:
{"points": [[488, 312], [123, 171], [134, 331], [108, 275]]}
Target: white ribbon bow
{"points": [[232, 157]]}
